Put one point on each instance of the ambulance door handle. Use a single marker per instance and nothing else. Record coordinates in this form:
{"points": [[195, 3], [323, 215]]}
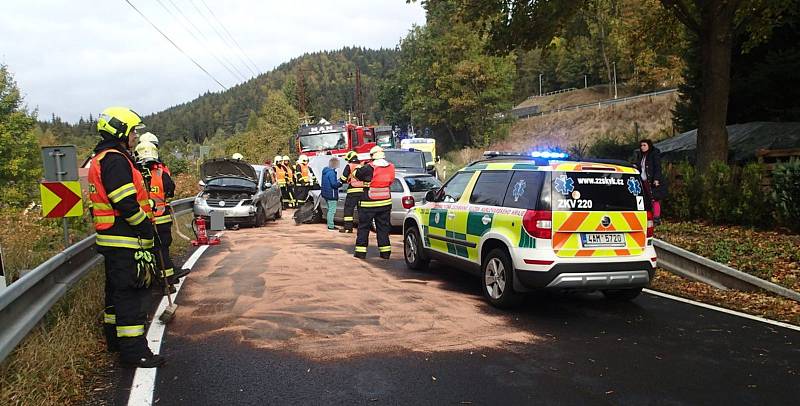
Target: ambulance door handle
{"points": [[486, 219], [451, 215]]}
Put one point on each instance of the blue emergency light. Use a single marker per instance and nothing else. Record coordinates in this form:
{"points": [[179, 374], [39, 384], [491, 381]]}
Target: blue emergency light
{"points": [[550, 154]]}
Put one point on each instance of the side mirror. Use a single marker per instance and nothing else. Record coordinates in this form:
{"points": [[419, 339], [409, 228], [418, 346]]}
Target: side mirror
{"points": [[430, 167], [267, 185], [201, 184], [430, 196], [438, 158]]}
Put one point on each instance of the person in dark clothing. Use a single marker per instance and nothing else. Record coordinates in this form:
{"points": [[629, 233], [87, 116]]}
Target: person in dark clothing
{"points": [[648, 160], [375, 204], [122, 217], [355, 190]]}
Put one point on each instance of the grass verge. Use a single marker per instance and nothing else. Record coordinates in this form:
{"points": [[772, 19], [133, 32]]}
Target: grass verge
{"points": [[63, 360]]}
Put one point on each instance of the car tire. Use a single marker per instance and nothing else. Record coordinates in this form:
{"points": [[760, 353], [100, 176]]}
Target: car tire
{"points": [[497, 280], [260, 218], [278, 213], [413, 250], [622, 295]]}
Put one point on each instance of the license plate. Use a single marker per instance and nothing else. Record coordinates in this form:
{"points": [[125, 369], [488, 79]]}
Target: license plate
{"points": [[590, 240]]}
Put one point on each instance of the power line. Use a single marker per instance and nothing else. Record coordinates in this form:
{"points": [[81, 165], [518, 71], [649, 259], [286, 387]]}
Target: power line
{"points": [[176, 45], [239, 47], [236, 75]]}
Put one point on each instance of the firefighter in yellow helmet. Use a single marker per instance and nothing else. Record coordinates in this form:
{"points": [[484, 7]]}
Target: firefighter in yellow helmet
{"points": [[122, 216], [355, 190], [304, 179], [375, 204]]}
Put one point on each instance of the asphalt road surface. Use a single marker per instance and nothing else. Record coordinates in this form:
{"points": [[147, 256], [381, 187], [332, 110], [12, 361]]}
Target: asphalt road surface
{"points": [[284, 314]]}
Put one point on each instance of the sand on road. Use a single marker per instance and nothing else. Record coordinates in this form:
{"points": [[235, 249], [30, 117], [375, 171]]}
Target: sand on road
{"points": [[298, 288]]}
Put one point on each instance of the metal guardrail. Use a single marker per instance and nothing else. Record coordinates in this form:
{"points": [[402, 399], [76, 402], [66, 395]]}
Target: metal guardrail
{"points": [[696, 267], [600, 103], [27, 300]]}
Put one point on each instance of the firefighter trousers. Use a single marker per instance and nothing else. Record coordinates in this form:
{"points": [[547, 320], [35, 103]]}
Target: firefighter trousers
{"points": [[287, 196], [126, 306], [350, 203], [162, 244], [382, 217]]}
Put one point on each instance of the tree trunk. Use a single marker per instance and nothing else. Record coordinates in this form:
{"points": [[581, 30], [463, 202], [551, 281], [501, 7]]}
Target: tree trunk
{"points": [[715, 37]]}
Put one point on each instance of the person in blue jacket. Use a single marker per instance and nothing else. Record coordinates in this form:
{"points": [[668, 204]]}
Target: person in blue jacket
{"points": [[330, 189]]}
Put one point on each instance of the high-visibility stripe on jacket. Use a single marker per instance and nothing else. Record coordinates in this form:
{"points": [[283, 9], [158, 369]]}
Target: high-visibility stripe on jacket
{"points": [[303, 173], [349, 176], [158, 195], [379, 192], [104, 214]]}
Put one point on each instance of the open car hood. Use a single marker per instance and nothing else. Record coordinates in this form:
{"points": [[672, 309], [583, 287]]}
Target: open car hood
{"points": [[221, 167]]}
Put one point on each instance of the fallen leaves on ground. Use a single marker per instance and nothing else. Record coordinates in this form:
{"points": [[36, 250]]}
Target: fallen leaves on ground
{"points": [[769, 255], [755, 303]]}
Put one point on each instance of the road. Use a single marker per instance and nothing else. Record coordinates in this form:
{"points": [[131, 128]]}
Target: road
{"points": [[285, 315]]}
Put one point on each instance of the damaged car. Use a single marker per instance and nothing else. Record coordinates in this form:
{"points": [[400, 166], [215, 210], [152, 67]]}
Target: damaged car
{"points": [[247, 194]]}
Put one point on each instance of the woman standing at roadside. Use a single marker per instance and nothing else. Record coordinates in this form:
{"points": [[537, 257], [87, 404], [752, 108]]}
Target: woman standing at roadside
{"points": [[648, 159]]}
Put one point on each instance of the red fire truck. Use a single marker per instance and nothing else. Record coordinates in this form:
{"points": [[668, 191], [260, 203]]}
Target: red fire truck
{"points": [[334, 139]]}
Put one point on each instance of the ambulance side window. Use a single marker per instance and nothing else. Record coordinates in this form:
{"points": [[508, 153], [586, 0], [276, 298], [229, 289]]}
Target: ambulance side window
{"points": [[524, 189], [490, 188], [452, 191]]}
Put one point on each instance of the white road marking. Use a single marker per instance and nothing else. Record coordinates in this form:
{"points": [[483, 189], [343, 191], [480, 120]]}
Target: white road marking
{"points": [[144, 380], [724, 310]]}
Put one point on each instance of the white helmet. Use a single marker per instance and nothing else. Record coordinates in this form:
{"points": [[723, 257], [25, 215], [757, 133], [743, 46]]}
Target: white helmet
{"points": [[285, 158], [277, 160], [302, 159], [149, 137], [146, 151], [377, 152], [237, 156]]}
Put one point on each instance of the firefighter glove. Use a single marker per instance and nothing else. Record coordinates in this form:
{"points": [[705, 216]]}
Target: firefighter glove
{"points": [[145, 268]]}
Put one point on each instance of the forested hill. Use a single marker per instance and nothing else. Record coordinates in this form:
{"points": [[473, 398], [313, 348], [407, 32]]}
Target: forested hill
{"points": [[328, 79]]}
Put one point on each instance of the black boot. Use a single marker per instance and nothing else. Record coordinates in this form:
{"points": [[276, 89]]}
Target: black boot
{"points": [[361, 255], [386, 255]]}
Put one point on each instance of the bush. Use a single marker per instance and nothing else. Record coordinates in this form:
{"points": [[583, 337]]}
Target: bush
{"points": [[719, 193], [176, 166], [753, 207], [679, 205], [786, 194], [610, 147]]}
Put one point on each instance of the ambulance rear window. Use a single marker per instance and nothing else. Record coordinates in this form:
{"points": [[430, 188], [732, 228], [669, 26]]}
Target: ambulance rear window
{"points": [[525, 191], [597, 191]]}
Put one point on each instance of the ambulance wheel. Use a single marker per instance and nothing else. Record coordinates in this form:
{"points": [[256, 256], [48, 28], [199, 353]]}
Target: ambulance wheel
{"points": [[622, 295], [497, 281], [413, 251]]}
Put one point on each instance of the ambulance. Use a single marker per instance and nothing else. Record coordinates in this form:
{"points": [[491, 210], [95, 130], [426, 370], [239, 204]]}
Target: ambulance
{"points": [[525, 222]]}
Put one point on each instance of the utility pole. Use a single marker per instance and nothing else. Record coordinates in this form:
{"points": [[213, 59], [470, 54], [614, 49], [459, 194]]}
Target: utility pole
{"points": [[359, 99], [540, 83], [585, 82], [615, 80]]}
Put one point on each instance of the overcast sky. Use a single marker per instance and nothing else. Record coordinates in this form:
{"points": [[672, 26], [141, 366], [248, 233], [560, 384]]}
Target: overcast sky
{"points": [[75, 57]]}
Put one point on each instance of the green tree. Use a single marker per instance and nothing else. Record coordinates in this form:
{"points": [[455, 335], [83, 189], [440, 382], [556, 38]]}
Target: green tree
{"points": [[272, 133], [714, 24], [19, 147], [447, 79]]}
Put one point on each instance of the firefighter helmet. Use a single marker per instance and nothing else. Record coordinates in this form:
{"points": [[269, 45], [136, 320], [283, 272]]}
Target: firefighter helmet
{"points": [[351, 156], [149, 137], [277, 160], [237, 156], [146, 151], [285, 158], [303, 159], [118, 122], [377, 152]]}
